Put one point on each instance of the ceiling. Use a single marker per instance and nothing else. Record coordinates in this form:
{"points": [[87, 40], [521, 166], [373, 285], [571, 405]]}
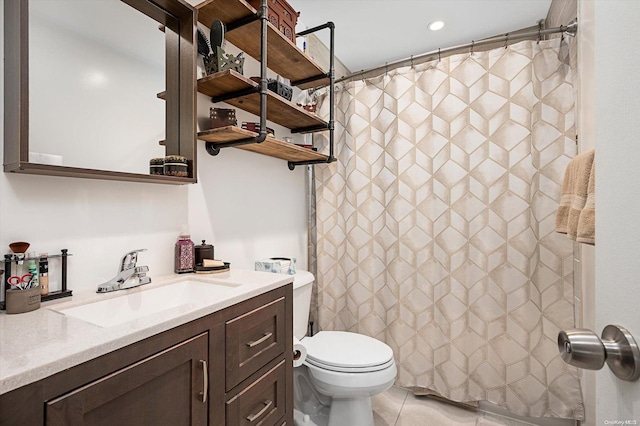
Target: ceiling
{"points": [[370, 33]]}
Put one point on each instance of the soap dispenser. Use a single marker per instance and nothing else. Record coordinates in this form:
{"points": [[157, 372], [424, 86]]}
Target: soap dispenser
{"points": [[184, 254]]}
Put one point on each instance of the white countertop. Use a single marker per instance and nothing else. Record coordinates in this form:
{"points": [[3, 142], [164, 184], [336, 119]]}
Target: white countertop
{"points": [[43, 342]]}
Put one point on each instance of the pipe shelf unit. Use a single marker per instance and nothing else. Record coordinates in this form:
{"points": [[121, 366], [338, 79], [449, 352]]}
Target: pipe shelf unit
{"points": [[249, 30], [237, 90]]}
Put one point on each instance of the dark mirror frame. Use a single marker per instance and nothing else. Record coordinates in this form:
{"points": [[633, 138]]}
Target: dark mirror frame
{"points": [[179, 20]]}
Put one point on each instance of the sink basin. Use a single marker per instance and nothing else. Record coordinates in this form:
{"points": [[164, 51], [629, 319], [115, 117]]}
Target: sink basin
{"points": [[182, 296]]}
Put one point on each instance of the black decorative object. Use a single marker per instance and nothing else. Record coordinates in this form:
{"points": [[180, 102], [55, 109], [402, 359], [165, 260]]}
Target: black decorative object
{"points": [[277, 87], [176, 165], [214, 57], [221, 61], [156, 166], [204, 48], [216, 34]]}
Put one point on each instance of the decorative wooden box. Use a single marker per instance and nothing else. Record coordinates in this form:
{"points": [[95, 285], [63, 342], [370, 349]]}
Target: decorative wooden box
{"points": [[222, 117], [281, 15]]}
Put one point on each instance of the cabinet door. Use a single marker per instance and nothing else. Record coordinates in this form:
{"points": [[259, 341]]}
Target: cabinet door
{"points": [[168, 388], [254, 339]]}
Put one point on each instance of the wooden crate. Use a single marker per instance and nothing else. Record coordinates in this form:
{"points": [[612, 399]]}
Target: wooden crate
{"points": [[281, 15]]}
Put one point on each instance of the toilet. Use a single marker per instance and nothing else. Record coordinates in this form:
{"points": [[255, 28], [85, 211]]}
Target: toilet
{"points": [[341, 372]]}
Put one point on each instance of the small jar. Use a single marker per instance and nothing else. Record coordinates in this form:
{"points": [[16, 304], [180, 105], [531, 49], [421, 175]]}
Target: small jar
{"points": [[156, 166], [176, 165], [203, 251], [185, 254]]}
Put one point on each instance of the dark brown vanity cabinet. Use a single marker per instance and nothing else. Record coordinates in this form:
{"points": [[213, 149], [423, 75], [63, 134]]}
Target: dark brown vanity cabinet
{"points": [[255, 342], [232, 367], [165, 388]]}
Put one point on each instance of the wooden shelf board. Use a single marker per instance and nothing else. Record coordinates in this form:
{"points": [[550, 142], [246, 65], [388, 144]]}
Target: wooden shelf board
{"points": [[279, 110], [225, 134], [283, 150], [283, 56], [228, 12], [271, 147], [224, 82]]}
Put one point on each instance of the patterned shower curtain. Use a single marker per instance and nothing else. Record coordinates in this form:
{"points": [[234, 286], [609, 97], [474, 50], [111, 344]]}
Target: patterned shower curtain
{"points": [[436, 225]]}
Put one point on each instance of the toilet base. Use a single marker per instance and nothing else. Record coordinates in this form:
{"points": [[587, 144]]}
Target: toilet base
{"points": [[351, 411], [314, 409], [320, 418]]}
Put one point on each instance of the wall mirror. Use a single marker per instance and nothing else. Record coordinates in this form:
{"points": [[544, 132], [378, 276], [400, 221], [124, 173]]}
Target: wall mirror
{"points": [[82, 80]]}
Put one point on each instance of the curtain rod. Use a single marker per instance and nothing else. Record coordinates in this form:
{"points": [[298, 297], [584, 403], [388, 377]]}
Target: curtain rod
{"points": [[570, 29]]}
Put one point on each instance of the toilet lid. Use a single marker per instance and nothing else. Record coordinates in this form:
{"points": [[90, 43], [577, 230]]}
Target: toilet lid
{"points": [[344, 351]]}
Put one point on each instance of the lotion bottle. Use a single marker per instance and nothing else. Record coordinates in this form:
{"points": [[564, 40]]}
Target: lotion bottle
{"points": [[33, 270], [43, 269]]}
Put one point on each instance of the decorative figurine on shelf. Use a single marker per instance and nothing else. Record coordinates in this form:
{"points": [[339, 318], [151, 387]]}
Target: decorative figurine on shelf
{"points": [[214, 57], [222, 117]]}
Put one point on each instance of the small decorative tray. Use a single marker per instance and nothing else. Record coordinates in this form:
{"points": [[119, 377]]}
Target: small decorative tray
{"points": [[212, 269]]}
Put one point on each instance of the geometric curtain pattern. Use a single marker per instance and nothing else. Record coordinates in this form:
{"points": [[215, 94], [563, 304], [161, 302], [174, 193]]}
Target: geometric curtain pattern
{"points": [[436, 226]]}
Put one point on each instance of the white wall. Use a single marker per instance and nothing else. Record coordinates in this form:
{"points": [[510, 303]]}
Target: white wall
{"points": [[247, 205], [617, 102]]}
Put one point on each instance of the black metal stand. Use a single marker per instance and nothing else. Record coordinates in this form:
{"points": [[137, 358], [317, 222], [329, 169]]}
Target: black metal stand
{"points": [[10, 259]]}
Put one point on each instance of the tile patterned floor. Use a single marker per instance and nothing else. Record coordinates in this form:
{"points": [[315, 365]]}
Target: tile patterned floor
{"points": [[399, 407]]}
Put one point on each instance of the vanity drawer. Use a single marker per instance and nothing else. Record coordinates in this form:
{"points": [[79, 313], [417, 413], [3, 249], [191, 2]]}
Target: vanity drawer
{"points": [[254, 339], [261, 403]]}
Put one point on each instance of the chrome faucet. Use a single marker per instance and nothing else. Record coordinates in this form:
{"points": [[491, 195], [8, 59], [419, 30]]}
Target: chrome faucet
{"points": [[129, 275]]}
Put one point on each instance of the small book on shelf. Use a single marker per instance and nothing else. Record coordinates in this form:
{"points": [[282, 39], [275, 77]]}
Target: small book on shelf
{"points": [[308, 146]]}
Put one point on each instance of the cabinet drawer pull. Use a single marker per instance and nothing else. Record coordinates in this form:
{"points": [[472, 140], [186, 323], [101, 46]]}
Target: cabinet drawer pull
{"points": [[205, 380], [260, 340], [267, 405]]}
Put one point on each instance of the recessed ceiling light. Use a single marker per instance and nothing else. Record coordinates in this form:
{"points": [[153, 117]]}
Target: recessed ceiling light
{"points": [[436, 25]]}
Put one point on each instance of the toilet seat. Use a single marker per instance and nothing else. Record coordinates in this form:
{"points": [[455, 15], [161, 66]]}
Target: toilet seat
{"points": [[347, 352]]}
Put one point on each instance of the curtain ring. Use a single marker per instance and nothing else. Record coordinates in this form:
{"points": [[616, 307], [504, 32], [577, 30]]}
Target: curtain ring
{"points": [[506, 40], [386, 68], [439, 57], [411, 61], [472, 43], [539, 34]]}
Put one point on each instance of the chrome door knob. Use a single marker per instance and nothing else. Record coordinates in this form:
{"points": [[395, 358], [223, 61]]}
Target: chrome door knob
{"points": [[582, 348]]}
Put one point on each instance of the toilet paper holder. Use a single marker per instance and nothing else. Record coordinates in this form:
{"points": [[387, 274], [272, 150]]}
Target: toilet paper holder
{"points": [[582, 348]]}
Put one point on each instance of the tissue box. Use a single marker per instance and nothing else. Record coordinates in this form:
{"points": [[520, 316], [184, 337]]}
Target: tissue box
{"points": [[277, 265]]}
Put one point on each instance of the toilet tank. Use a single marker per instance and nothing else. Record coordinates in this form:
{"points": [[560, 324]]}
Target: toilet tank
{"points": [[302, 288]]}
